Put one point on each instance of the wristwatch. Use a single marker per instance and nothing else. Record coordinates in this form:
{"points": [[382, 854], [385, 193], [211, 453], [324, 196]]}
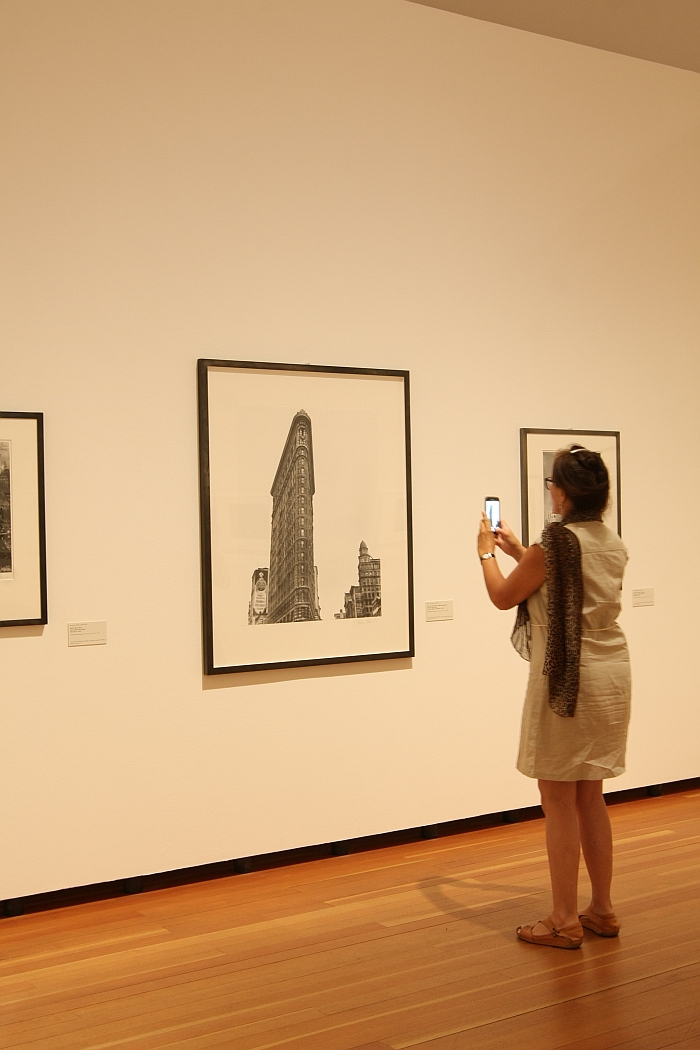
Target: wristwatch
{"points": [[483, 557]]}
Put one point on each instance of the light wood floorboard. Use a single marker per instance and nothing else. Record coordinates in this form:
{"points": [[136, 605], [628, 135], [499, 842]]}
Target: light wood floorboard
{"points": [[408, 946]]}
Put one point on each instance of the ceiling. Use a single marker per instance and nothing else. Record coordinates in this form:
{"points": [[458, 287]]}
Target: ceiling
{"points": [[666, 31]]}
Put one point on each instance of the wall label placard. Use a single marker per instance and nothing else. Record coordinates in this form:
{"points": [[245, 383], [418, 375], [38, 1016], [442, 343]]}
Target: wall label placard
{"points": [[642, 596], [438, 611], [88, 632]]}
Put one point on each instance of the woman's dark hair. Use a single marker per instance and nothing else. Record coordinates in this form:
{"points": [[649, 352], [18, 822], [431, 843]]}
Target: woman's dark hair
{"points": [[583, 476]]}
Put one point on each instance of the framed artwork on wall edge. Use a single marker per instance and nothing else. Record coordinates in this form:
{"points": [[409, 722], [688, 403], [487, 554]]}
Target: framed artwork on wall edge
{"points": [[537, 451], [305, 515], [22, 520]]}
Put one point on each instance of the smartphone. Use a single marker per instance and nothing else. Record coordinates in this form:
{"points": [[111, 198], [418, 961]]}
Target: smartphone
{"points": [[492, 506]]}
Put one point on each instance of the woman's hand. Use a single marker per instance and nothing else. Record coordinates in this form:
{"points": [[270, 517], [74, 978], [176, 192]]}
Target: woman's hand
{"points": [[508, 542], [485, 541]]}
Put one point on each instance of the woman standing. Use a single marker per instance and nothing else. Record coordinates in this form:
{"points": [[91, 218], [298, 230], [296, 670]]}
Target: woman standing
{"points": [[574, 724]]}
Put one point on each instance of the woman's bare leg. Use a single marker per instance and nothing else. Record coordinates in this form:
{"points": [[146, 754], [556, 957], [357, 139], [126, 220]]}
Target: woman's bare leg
{"points": [[563, 848], [596, 840]]}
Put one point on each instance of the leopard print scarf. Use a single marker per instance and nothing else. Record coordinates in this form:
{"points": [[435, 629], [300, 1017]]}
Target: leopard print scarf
{"points": [[562, 569], [564, 578]]}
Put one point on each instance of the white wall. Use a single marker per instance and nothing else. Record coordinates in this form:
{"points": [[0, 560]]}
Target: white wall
{"points": [[352, 182]]}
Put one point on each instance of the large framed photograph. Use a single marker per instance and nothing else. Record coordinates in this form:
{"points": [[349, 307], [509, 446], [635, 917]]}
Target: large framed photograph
{"points": [[22, 520], [537, 451], [305, 496]]}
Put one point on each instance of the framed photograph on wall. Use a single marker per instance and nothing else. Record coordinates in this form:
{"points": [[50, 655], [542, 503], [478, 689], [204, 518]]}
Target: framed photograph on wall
{"points": [[537, 451], [22, 520], [305, 499]]}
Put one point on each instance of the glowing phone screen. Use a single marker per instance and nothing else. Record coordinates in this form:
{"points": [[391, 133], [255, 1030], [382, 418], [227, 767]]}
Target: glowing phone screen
{"points": [[492, 505]]}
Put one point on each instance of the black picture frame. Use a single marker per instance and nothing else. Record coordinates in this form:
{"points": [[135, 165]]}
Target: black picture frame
{"points": [[544, 442], [23, 590], [265, 614]]}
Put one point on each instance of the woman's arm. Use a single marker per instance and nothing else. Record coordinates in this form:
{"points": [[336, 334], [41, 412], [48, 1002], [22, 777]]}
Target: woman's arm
{"points": [[527, 577]]}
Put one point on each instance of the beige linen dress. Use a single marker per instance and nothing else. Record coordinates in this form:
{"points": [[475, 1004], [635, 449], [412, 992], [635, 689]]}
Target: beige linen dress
{"points": [[591, 745]]}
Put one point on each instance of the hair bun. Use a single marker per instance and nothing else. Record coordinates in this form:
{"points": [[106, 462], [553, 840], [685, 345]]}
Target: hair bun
{"points": [[583, 476], [587, 459]]}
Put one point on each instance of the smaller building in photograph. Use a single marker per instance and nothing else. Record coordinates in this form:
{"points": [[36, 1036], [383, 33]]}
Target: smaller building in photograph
{"points": [[257, 607], [365, 597]]}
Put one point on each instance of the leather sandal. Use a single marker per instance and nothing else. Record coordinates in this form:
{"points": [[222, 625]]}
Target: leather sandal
{"points": [[570, 936], [603, 925]]}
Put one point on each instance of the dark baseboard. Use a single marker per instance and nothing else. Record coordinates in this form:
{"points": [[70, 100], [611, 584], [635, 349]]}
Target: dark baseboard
{"points": [[244, 865]]}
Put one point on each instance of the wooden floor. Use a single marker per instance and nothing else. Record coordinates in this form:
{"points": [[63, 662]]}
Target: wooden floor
{"points": [[407, 946]]}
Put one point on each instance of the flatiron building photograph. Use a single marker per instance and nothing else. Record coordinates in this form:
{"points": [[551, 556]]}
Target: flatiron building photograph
{"points": [[292, 591]]}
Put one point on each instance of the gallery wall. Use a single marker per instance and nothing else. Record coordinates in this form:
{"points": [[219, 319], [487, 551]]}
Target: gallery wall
{"points": [[371, 183]]}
